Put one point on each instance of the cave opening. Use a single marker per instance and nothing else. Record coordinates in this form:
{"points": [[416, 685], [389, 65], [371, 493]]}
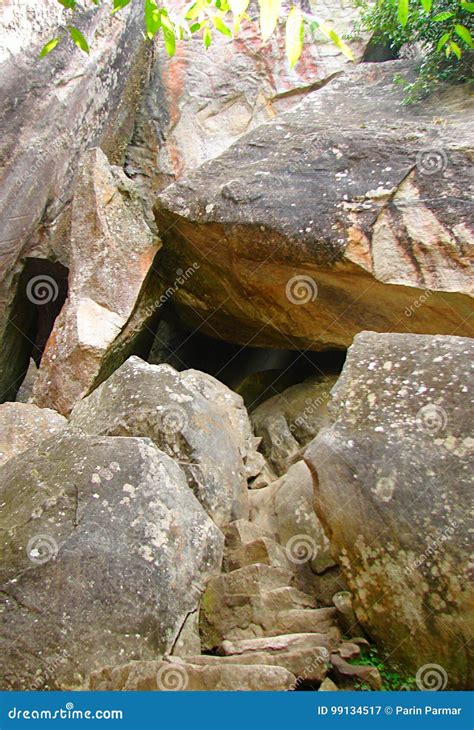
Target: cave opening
{"points": [[41, 292], [256, 373]]}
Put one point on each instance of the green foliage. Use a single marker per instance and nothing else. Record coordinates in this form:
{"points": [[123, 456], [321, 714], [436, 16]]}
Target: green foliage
{"points": [[392, 676], [440, 28]]}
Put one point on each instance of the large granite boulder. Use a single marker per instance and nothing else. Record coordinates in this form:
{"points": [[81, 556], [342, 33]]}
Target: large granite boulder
{"points": [[156, 401], [112, 253], [53, 110], [23, 425], [104, 553], [285, 510], [291, 419], [349, 212], [197, 104], [393, 490]]}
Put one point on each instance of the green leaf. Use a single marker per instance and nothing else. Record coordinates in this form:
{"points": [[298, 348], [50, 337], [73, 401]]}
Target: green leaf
{"points": [[221, 26], [270, 11], [48, 47], [467, 6], [170, 41], [207, 37], [152, 18], [442, 41], [443, 16], [78, 38], [294, 35], [330, 33], [403, 8], [456, 50], [165, 21], [426, 4], [464, 34], [69, 4], [119, 4], [238, 8], [195, 27]]}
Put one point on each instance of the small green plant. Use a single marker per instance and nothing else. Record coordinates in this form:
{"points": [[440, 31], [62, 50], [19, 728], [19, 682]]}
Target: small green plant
{"points": [[440, 29], [393, 677]]}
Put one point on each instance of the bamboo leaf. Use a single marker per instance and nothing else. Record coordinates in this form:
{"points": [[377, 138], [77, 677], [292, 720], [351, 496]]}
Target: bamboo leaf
{"points": [[294, 35]]}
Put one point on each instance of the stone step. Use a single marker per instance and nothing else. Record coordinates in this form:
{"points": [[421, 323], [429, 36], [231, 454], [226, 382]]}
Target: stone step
{"points": [[250, 580], [176, 674], [355, 674], [263, 550], [241, 532], [239, 616], [286, 598], [305, 663], [278, 644]]}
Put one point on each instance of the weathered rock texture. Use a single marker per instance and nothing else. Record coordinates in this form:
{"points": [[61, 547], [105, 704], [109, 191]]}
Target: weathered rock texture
{"points": [[23, 425], [197, 104], [112, 253], [156, 401], [393, 489], [104, 554], [55, 109], [291, 419], [285, 509], [307, 232]]}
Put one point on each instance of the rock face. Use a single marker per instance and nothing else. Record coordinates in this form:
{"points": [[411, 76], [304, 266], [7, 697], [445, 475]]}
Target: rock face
{"points": [[23, 425], [197, 104], [156, 401], [303, 238], [112, 253], [104, 554], [55, 109], [290, 420], [392, 488], [285, 509]]}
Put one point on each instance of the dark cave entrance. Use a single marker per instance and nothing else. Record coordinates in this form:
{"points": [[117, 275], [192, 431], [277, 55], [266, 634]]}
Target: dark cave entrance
{"points": [[41, 293], [256, 373]]}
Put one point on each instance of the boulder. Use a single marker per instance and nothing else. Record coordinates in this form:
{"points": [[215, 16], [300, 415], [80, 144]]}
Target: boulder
{"points": [[112, 253], [393, 491], [285, 509], [307, 232], [156, 401], [197, 104], [104, 553], [291, 419], [23, 425], [174, 676], [54, 109]]}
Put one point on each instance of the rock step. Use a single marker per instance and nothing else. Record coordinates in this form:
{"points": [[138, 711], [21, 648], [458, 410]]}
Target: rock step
{"points": [[241, 532], [251, 579], [263, 550], [305, 663], [286, 598], [351, 674], [176, 674], [278, 644]]}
